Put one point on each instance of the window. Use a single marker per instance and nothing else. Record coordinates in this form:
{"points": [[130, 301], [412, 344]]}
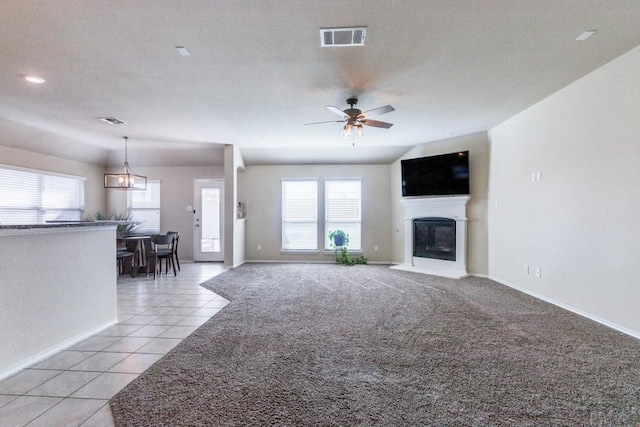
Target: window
{"points": [[144, 207], [300, 215], [342, 210], [34, 197]]}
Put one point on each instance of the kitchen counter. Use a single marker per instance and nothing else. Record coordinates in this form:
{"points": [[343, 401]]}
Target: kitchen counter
{"points": [[57, 287]]}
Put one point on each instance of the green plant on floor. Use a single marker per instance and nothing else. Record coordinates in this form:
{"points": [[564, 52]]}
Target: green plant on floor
{"points": [[340, 239]]}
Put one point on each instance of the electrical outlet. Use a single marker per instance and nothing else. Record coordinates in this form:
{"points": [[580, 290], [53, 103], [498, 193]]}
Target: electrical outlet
{"points": [[375, 248], [538, 272], [259, 247], [526, 269]]}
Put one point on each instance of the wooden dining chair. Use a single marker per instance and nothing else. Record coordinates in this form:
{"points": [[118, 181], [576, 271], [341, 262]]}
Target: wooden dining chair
{"points": [[175, 246], [125, 260], [162, 249]]}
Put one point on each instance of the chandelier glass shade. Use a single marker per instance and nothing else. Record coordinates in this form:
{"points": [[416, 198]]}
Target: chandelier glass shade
{"points": [[125, 178]]}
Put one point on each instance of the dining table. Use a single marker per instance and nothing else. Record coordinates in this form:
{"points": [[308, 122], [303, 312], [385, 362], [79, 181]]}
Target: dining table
{"points": [[135, 243]]}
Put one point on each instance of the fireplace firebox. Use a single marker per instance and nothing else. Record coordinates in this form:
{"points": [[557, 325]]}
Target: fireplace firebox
{"points": [[449, 235], [435, 238]]}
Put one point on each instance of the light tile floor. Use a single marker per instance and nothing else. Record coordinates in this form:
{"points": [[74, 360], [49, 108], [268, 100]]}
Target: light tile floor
{"points": [[73, 387]]}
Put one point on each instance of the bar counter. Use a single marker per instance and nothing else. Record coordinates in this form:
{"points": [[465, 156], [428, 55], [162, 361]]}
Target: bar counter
{"points": [[57, 287]]}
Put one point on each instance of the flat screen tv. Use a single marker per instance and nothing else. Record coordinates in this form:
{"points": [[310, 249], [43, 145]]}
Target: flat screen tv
{"points": [[442, 175]]}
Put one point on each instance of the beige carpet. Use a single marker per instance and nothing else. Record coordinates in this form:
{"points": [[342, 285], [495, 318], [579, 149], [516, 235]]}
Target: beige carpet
{"points": [[329, 345]]}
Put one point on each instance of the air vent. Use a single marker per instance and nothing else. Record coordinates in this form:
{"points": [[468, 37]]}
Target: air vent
{"points": [[111, 120], [342, 36]]}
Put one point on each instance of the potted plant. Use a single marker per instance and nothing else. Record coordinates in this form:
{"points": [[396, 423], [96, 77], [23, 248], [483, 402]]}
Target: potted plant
{"points": [[340, 239], [127, 224]]}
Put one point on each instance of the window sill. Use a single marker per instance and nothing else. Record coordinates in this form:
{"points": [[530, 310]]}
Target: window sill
{"points": [[351, 252], [299, 252]]}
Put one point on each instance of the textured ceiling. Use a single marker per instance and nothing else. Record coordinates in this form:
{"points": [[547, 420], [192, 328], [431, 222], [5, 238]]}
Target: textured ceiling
{"points": [[257, 73]]}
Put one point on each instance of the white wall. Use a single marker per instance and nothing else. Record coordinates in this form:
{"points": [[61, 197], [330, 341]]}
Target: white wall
{"points": [[94, 194], [477, 234], [234, 236], [580, 222], [260, 188], [176, 193]]}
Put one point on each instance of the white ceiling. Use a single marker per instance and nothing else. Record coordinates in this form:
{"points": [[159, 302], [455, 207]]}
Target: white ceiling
{"points": [[257, 73]]}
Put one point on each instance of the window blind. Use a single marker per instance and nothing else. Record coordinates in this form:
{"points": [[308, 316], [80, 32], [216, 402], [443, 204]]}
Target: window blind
{"points": [[300, 215], [343, 210], [144, 207], [34, 197]]}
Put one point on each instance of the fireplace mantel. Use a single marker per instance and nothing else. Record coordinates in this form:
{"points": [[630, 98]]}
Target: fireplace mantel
{"points": [[455, 208]]}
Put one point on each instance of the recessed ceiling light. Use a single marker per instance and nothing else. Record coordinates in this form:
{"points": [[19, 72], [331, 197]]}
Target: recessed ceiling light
{"points": [[582, 37], [183, 51], [34, 79]]}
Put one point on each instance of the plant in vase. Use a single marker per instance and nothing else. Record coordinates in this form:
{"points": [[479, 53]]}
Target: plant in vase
{"points": [[340, 239], [127, 224]]}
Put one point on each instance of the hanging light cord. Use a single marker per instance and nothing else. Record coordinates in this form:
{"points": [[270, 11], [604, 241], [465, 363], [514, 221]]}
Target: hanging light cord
{"points": [[126, 139]]}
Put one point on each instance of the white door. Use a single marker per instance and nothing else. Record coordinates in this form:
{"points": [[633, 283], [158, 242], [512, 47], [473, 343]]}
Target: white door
{"points": [[208, 224]]}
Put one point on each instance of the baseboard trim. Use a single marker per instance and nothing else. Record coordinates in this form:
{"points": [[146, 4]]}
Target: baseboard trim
{"points": [[612, 325], [289, 261], [53, 350]]}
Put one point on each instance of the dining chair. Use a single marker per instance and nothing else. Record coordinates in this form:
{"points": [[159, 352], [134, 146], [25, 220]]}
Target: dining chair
{"points": [[162, 249], [150, 259], [122, 257], [175, 246]]}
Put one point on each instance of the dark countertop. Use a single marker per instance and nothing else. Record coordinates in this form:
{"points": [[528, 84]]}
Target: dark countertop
{"points": [[61, 224]]}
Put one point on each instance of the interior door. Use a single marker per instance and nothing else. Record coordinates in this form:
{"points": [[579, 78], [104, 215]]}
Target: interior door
{"points": [[208, 224]]}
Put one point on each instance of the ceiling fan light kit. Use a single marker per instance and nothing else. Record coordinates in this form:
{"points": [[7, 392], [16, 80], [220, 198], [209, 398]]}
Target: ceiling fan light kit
{"points": [[348, 130], [354, 119]]}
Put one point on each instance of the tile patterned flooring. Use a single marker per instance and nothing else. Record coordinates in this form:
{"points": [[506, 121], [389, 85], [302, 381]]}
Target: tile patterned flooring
{"points": [[73, 387]]}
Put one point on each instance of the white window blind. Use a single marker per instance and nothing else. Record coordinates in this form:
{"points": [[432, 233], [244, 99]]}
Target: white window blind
{"points": [[342, 210], [300, 215], [34, 197], [144, 207]]}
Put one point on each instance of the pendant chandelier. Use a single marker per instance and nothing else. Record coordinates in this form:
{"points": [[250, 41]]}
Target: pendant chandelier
{"points": [[125, 178]]}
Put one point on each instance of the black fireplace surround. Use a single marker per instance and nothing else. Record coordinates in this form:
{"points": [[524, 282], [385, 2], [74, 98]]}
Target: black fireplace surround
{"points": [[435, 238]]}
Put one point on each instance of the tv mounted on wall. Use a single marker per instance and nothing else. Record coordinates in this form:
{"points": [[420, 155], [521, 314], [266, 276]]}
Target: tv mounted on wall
{"points": [[442, 175]]}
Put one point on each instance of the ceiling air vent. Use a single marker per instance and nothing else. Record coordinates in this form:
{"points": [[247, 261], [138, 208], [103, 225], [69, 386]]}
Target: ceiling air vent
{"points": [[111, 120], [342, 36]]}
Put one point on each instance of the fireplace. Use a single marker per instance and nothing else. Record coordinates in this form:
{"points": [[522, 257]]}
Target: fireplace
{"points": [[435, 236]]}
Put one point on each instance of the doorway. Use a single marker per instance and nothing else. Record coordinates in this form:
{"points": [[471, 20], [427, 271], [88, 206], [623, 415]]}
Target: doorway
{"points": [[208, 220]]}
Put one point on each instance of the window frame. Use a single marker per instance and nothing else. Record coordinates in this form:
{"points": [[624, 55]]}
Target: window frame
{"points": [[40, 206], [355, 242], [151, 188], [313, 248]]}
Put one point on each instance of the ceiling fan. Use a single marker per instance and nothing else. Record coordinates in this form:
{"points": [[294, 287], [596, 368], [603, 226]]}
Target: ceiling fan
{"points": [[354, 119]]}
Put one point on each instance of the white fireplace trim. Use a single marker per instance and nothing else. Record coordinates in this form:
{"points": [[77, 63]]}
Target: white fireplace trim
{"points": [[455, 208]]}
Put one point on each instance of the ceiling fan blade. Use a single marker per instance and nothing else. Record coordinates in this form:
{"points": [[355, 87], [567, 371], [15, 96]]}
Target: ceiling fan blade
{"points": [[337, 111], [376, 123], [380, 110], [319, 123]]}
